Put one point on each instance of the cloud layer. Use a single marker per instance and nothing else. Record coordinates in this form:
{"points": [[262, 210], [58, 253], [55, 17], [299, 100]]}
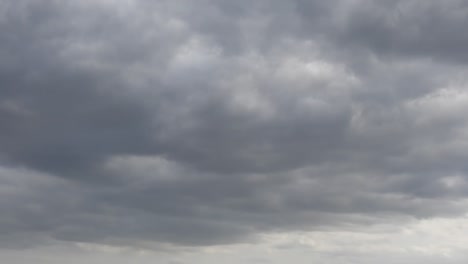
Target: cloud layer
{"points": [[152, 123]]}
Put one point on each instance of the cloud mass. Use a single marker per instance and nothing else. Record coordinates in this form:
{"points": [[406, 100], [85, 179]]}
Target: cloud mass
{"points": [[203, 126]]}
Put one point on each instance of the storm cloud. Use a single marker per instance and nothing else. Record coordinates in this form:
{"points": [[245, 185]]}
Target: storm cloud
{"points": [[165, 124]]}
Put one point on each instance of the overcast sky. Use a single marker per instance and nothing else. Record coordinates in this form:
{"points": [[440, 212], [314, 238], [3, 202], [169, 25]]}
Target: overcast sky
{"points": [[200, 131]]}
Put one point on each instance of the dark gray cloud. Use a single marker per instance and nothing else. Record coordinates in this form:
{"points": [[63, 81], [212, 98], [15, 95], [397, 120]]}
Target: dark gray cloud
{"points": [[209, 123], [409, 28]]}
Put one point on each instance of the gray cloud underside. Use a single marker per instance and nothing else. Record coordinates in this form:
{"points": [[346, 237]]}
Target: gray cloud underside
{"points": [[210, 122]]}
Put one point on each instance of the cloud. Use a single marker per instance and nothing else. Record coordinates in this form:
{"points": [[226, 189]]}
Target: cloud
{"points": [[144, 123]]}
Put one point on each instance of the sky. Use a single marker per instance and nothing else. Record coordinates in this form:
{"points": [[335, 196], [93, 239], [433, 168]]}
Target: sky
{"points": [[253, 132]]}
